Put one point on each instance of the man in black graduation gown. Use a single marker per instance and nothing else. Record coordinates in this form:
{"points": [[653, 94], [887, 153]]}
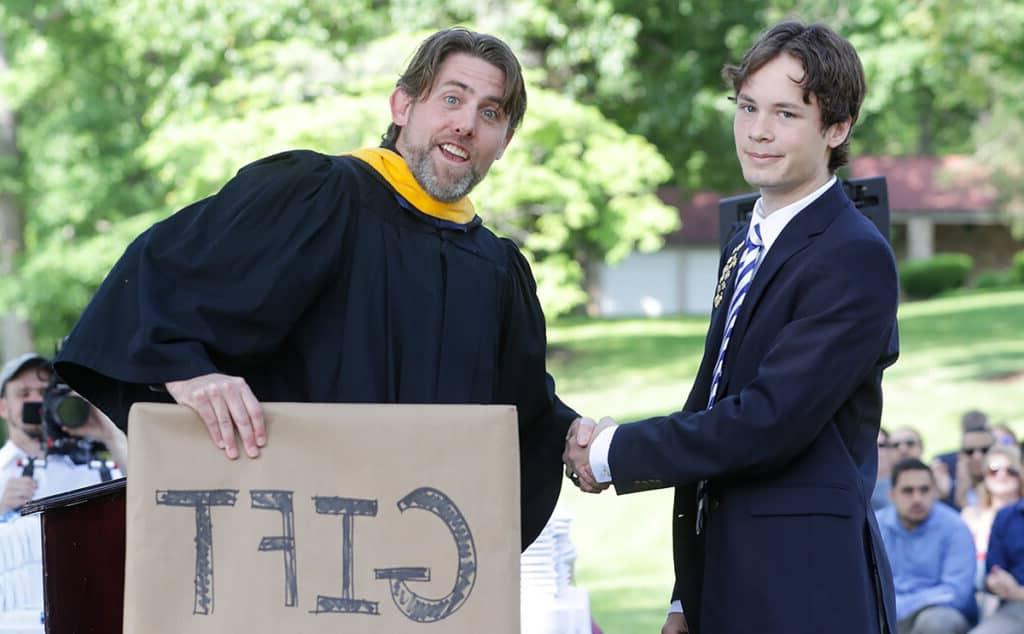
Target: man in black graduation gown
{"points": [[359, 278]]}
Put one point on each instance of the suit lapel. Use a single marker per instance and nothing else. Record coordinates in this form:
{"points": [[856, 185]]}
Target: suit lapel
{"points": [[798, 235]]}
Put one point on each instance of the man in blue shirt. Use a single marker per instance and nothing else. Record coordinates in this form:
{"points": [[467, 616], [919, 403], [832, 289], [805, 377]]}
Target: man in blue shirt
{"points": [[1005, 565], [932, 555]]}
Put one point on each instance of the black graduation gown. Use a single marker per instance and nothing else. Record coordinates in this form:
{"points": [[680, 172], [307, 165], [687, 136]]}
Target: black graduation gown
{"points": [[307, 275]]}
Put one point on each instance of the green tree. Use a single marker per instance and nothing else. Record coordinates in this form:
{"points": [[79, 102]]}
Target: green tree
{"points": [[129, 110], [998, 134], [576, 190], [679, 100], [927, 85]]}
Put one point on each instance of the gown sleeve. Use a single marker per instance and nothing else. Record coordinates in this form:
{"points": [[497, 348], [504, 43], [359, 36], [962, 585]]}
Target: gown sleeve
{"points": [[523, 380], [218, 284]]}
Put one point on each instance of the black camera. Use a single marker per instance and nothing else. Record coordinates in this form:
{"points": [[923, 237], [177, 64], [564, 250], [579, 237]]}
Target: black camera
{"points": [[61, 408]]}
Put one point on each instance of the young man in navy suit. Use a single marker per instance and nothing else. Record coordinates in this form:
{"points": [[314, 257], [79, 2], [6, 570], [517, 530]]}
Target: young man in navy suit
{"points": [[774, 454]]}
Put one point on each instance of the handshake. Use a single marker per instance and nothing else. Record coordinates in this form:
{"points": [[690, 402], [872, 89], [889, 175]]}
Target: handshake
{"points": [[576, 456]]}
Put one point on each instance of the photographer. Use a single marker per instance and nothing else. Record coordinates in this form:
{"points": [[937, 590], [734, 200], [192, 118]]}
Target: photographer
{"points": [[50, 432]]}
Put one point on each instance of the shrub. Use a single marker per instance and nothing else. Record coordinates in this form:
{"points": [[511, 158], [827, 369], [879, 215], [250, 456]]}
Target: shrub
{"points": [[994, 279], [1018, 267], [926, 278]]}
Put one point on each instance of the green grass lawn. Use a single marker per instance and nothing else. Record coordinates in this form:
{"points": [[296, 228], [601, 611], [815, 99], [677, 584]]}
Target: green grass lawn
{"points": [[958, 352]]}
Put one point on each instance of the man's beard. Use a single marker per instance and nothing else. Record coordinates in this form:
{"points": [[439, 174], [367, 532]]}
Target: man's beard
{"points": [[422, 169]]}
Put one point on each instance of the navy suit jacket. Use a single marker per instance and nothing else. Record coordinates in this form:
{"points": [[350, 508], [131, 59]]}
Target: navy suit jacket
{"points": [[789, 448]]}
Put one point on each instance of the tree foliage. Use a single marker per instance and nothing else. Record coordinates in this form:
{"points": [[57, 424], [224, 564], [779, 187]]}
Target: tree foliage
{"points": [[126, 110], [129, 110], [575, 190]]}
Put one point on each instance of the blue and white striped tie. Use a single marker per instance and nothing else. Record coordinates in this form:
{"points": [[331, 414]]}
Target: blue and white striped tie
{"points": [[753, 249], [747, 267]]}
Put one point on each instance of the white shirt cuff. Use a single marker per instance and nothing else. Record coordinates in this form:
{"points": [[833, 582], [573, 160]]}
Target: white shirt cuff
{"points": [[676, 607], [599, 455]]}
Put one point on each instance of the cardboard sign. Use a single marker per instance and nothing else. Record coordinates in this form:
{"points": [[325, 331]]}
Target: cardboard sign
{"points": [[355, 518]]}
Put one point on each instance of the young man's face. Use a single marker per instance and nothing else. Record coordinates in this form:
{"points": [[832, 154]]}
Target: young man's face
{"points": [[451, 136], [913, 495], [779, 140], [26, 386]]}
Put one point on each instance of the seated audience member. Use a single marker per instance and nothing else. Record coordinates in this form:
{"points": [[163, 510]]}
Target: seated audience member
{"points": [[959, 473], [931, 553], [880, 496], [1005, 578], [1001, 488], [975, 445], [906, 443]]}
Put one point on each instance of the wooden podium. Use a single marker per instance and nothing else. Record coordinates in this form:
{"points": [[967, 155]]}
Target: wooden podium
{"points": [[83, 558]]}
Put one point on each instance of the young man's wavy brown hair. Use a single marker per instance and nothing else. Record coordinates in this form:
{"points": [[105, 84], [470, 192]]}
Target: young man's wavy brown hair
{"points": [[832, 72], [418, 78]]}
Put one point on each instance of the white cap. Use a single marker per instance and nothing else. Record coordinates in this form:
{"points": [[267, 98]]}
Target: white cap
{"points": [[17, 364]]}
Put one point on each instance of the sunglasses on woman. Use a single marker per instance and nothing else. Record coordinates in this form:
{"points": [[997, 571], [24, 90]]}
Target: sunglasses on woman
{"points": [[1008, 469]]}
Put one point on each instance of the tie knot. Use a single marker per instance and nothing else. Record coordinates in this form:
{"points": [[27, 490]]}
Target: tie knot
{"points": [[754, 238]]}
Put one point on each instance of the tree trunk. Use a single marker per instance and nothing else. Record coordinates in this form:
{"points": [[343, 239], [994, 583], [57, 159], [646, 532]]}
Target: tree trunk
{"points": [[15, 332], [592, 284]]}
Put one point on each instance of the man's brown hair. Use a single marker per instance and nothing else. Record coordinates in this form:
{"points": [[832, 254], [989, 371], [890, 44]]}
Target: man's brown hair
{"points": [[832, 73], [418, 78]]}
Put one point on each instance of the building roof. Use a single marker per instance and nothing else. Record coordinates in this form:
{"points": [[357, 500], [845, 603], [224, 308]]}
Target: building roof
{"points": [[931, 185], [944, 188], [698, 215]]}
